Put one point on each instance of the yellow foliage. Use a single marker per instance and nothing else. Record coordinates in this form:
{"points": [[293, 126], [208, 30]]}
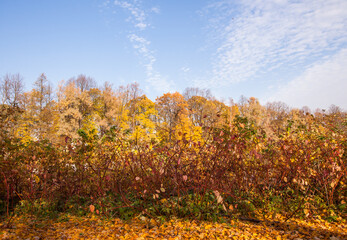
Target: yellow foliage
{"points": [[94, 227]]}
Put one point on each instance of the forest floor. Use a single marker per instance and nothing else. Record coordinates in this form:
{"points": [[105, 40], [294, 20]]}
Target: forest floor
{"points": [[94, 227]]}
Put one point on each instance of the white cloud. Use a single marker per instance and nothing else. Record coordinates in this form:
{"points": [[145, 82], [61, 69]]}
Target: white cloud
{"points": [[148, 59], [321, 85], [155, 10], [142, 46], [141, 25], [140, 43], [258, 36], [185, 69], [138, 15]]}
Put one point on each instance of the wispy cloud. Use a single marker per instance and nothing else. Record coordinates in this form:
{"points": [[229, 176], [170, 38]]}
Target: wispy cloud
{"points": [[155, 10], [320, 85], [141, 45], [258, 36], [185, 69], [138, 16]]}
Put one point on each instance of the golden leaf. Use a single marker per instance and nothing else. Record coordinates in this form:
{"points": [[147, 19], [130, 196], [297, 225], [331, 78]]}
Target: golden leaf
{"points": [[37, 179]]}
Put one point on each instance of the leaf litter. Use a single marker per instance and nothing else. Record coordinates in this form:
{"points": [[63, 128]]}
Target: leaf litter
{"points": [[95, 227]]}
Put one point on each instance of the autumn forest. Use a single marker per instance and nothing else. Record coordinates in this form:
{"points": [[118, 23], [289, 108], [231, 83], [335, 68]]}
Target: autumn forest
{"points": [[84, 150]]}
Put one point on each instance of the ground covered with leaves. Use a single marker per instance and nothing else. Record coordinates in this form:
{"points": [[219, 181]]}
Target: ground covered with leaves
{"points": [[94, 227]]}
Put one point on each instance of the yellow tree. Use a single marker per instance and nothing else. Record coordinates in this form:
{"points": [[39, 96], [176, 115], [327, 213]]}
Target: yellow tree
{"points": [[198, 112], [255, 112], [11, 93], [128, 96], [207, 113], [143, 114], [70, 117], [277, 113], [43, 108], [25, 129], [109, 109], [37, 120], [173, 122], [92, 117], [234, 111], [220, 113], [79, 107]]}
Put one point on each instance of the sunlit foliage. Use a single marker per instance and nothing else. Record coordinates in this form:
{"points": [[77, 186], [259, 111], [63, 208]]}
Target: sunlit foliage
{"points": [[183, 155]]}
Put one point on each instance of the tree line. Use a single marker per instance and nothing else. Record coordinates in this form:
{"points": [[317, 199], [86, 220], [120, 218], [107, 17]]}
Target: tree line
{"points": [[79, 108]]}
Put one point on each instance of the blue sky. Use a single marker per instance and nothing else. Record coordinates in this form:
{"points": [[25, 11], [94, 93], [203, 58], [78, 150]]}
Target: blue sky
{"points": [[275, 50]]}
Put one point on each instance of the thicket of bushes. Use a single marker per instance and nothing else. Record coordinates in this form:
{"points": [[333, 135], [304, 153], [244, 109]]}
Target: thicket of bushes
{"points": [[235, 169]]}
